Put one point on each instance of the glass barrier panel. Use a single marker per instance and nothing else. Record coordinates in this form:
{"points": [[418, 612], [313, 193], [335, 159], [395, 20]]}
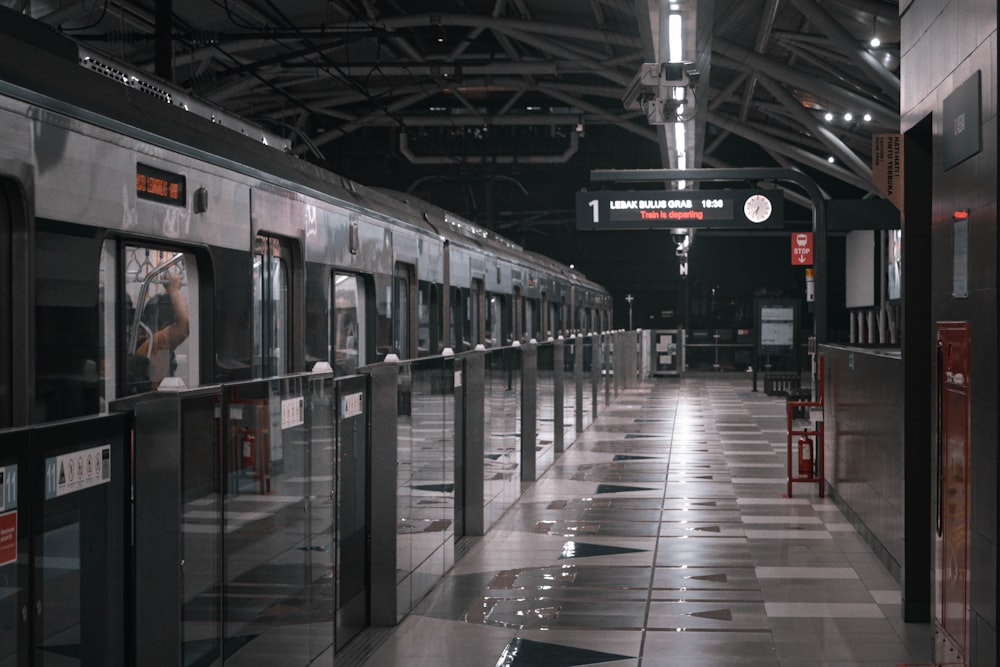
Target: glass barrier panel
{"points": [[587, 414], [426, 469], [545, 419], [569, 392], [266, 517], [351, 526], [501, 432], [79, 492], [201, 530], [319, 490]]}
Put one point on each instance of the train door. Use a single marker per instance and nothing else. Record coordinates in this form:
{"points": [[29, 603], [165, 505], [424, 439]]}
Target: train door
{"points": [[493, 320], [6, 310], [348, 323], [518, 332], [458, 318], [476, 313], [555, 325], [272, 307], [429, 333], [403, 322], [147, 311], [546, 323]]}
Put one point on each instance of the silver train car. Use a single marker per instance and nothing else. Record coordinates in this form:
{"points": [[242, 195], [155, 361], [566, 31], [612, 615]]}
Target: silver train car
{"points": [[149, 241]]}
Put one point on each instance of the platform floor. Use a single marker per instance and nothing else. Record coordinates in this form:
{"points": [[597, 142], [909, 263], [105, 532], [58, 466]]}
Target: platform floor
{"points": [[663, 536]]}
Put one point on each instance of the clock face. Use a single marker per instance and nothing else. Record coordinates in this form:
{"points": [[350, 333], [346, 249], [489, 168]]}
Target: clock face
{"points": [[757, 208]]}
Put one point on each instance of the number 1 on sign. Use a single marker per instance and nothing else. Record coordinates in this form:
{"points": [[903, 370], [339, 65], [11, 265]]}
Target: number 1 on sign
{"points": [[593, 207]]}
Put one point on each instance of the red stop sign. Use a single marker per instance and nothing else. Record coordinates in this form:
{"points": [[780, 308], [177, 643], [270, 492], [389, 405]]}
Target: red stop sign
{"points": [[802, 248]]}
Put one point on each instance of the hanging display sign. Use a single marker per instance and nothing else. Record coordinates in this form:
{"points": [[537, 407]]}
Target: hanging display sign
{"points": [[887, 166], [679, 209]]}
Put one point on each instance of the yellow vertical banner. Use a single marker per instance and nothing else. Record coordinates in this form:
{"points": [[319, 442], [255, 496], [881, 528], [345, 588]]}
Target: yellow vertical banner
{"points": [[887, 166]]}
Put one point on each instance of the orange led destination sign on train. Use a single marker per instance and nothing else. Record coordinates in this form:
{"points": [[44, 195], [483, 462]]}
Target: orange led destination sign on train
{"points": [[159, 185], [683, 208]]}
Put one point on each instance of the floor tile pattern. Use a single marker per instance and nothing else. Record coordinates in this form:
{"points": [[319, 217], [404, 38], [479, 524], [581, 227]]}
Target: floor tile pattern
{"points": [[662, 537]]}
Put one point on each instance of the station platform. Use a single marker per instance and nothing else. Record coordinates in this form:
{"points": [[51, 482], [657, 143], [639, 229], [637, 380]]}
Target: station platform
{"points": [[662, 536]]}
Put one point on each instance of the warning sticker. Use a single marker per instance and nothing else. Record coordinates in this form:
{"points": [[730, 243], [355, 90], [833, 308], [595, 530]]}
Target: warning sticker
{"points": [[292, 412], [76, 471]]}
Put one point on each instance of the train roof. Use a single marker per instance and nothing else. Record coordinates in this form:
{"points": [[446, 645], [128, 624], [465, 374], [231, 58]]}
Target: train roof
{"points": [[67, 78]]}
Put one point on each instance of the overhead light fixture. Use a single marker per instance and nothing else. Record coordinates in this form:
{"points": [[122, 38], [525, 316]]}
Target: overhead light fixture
{"points": [[831, 159], [828, 116], [875, 41], [867, 118], [675, 31], [848, 116]]}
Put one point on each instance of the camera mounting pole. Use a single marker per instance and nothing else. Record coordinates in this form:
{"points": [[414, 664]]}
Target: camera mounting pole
{"points": [[745, 174]]}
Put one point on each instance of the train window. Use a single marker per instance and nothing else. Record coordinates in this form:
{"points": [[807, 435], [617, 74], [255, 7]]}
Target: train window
{"points": [[429, 333], [348, 324], [401, 316], [271, 308], [159, 296]]}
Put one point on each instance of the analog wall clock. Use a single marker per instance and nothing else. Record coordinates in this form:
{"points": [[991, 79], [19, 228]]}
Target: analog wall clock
{"points": [[757, 208]]}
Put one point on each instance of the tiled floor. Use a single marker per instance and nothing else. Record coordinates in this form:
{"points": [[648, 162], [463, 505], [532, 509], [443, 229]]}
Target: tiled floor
{"points": [[663, 537]]}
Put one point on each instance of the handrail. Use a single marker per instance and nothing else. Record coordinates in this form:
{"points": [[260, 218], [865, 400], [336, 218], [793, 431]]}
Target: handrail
{"points": [[143, 298]]}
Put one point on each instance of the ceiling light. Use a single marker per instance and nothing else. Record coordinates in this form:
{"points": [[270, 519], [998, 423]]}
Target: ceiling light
{"points": [[830, 159], [875, 43], [848, 116], [867, 117], [828, 116], [676, 37]]}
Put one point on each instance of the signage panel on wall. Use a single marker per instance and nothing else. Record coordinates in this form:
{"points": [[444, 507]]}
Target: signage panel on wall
{"points": [[802, 249], [704, 209]]}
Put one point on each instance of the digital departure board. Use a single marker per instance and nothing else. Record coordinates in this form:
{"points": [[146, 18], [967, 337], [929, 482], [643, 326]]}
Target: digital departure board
{"points": [[679, 209], [159, 185]]}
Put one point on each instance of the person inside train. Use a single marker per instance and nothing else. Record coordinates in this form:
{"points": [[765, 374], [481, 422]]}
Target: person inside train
{"points": [[153, 359]]}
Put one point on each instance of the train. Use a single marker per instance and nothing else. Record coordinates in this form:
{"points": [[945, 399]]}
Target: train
{"points": [[149, 241]]}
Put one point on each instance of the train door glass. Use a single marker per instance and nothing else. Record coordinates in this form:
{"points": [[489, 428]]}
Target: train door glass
{"points": [[458, 319], [401, 311], [530, 319], [271, 308], [543, 313], [518, 332], [493, 316], [6, 320], [429, 334], [154, 292], [348, 325], [475, 311]]}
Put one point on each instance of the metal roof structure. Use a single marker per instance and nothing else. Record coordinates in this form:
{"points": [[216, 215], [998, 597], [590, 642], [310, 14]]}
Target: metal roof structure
{"points": [[498, 109]]}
